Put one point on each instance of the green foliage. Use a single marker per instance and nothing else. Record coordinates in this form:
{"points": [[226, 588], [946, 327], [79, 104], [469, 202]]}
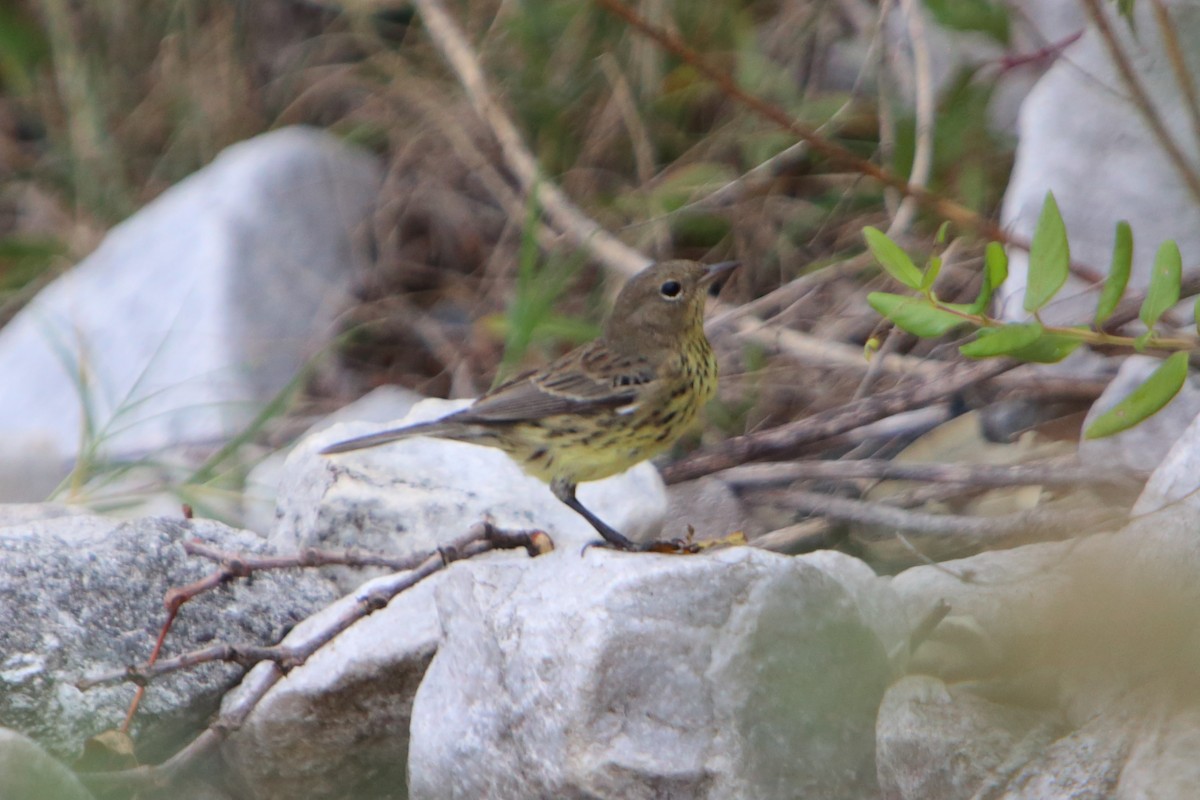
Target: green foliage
{"points": [[924, 314], [1118, 273], [1163, 384], [1049, 257], [972, 15]]}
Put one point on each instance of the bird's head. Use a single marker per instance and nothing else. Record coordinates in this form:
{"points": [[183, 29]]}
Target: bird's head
{"points": [[663, 304]]}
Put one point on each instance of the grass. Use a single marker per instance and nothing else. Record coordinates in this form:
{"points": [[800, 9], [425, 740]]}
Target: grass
{"points": [[114, 102]]}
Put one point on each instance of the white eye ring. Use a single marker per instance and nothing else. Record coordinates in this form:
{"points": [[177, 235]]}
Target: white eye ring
{"points": [[671, 289]]}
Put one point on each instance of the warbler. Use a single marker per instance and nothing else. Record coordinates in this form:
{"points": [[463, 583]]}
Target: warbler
{"points": [[606, 405]]}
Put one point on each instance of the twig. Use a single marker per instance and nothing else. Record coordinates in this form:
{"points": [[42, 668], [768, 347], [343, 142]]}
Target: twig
{"points": [[1183, 76], [573, 223], [1140, 99], [783, 441], [1065, 472], [959, 214], [479, 539], [953, 530], [922, 164], [803, 537]]}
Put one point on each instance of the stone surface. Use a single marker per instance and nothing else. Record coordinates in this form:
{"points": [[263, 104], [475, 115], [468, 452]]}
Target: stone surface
{"points": [[27, 772], [936, 742], [1144, 446], [1077, 117], [414, 494], [81, 595], [1100, 636], [1176, 479], [338, 726], [193, 313], [261, 491], [709, 506], [738, 673]]}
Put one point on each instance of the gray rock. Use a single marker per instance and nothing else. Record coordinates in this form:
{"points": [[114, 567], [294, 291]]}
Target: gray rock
{"points": [[1100, 635], [1079, 116], [734, 674], [417, 493], [261, 491], [81, 595], [1176, 479], [709, 506], [27, 772], [1144, 446], [339, 725], [941, 743], [193, 313]]}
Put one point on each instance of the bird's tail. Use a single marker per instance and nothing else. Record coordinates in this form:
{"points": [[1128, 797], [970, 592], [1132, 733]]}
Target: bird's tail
{"points": [[435, 427]]}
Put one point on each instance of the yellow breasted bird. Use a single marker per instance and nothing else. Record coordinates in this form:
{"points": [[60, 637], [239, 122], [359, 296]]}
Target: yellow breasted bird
{"points": [[606, 405]]}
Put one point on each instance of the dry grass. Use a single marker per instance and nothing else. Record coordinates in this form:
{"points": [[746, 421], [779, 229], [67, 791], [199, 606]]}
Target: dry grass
{"points": [[116, 101]]}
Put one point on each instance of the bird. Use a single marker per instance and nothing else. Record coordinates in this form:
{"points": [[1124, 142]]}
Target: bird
{"points": [[606, 405]]}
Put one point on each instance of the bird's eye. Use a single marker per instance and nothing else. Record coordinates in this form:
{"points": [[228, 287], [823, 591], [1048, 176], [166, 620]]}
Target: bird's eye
{"points": [[671, 289]]}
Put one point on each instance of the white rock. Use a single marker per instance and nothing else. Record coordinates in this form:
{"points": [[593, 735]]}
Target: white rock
{"points": [[1176, 479], [261, 490], [412, 495], [733, 674], [1082, 138], [196, 311]]}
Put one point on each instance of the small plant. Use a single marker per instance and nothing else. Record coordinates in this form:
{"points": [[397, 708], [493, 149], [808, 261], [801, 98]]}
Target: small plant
{"points": [[924, 314]]}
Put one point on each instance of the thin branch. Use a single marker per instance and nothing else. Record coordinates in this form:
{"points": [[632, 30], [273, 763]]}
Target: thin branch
{"points": [[479, 539], [922, 165], [1183, 76], [955, 212], [953, 531], [1140, 99], [1063, 472], [784, 441], [565, 215]]}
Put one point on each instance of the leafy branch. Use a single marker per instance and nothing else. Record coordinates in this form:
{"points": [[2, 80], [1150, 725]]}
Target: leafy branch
{"points": [[926, 315]]}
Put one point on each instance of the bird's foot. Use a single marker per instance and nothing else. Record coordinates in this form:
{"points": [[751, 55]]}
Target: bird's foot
{"points": [[679, 547]]}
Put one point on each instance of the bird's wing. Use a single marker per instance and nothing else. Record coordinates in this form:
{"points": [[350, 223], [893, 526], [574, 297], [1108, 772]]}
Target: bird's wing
{"points": [[584, 381]]}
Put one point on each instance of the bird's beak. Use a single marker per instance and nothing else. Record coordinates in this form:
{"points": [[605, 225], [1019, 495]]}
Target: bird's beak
{"points": [[714, 277]]}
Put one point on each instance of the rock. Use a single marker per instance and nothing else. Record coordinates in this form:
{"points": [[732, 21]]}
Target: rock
{"points": [[1099, 635], [412, 495], [1079, 116], [1144, 446], [260, 494], [27, 772], [1176, 479], [941, 743], [709, 506], [338, 726], [82, 595], [194, 313], [739, 673]]}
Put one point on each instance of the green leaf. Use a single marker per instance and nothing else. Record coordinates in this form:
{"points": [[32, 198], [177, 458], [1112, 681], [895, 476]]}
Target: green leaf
{"points": [[1002, 341], [1164, 284], [894, 260], [1049, 257], [942, 231], [972, 15], [995, 273], [1047, 349], [914, 314], [931, 273], [1118, 273], [1162, 385]]}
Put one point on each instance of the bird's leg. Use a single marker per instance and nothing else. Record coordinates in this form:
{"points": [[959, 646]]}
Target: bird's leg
{"points": [[566, 493]]}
